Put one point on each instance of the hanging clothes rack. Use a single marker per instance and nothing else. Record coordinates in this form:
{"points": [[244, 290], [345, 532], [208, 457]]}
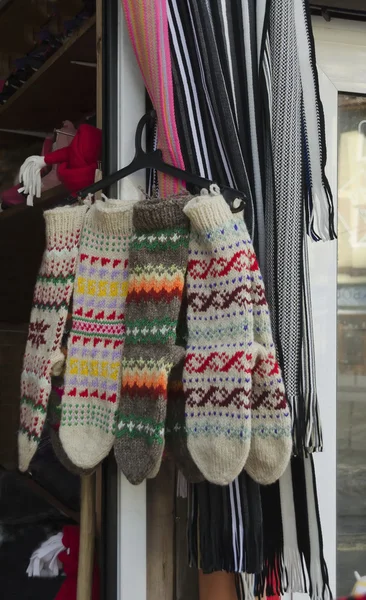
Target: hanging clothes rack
{"points": [[145, 160], [153, 160]]}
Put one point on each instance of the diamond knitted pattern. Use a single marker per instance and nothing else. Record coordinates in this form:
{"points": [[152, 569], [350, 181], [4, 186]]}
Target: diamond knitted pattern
{"points": [[50, 305], [271, 442], [92, 379], [158, 261], [219, 359]]}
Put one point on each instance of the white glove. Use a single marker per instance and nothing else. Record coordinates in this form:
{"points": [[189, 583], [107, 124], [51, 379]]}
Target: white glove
{"points": [[30, 176], [44, 561]]}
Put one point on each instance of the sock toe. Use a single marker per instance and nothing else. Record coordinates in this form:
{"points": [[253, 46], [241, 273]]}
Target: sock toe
{"points": [[267, 462], [84, 448], [137, 460], [219, 463]]}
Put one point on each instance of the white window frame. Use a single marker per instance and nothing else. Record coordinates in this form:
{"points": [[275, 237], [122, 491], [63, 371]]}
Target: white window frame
{"points": [[131, 500], [341, 60]]}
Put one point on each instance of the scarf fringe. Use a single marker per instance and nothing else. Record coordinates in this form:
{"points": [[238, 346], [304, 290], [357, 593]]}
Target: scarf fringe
{"points": [[270, 581], [320, 210], [245, 586], [294, 573], [307, 437], [319, 207], [298, 423], [313, 430]]}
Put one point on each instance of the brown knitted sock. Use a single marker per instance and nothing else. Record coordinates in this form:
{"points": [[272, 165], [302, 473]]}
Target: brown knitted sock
{"points": [[176, 433], [158, 261]]}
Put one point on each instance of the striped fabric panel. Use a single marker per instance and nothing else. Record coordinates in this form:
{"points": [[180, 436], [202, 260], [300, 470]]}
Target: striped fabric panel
{"points": [[211, 92], [209, 85], [148, 29]]}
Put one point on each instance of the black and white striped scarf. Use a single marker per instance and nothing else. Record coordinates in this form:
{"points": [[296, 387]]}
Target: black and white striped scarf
{"points": [[240, 68]]}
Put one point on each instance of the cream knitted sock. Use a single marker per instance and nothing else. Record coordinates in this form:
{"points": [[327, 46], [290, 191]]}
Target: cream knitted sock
{"points": [[53, 420], [218, 363], [50, 305], [92, 379], [271, 443]]}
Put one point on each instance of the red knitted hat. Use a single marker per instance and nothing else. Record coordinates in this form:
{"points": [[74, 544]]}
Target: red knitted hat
{"points": [[78, 161]]}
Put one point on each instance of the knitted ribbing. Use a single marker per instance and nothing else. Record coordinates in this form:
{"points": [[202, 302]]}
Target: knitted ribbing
{"points": [[158, 260], [49, 311], [271, 443], [218, 362], [92, 379]]}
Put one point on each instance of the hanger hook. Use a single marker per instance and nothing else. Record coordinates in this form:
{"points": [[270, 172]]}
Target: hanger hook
{"points": [[150, 115]]}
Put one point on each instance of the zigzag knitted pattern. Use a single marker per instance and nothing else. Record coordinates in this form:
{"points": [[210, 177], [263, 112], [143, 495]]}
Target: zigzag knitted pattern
{"points": [[271, 442], [158, 259], [92, 380], [218, 365], [50, 305], [236, 408]]}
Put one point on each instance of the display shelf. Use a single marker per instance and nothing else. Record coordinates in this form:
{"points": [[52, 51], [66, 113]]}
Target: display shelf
{"points": [[21, 20], [59, 90], [47, 200]]}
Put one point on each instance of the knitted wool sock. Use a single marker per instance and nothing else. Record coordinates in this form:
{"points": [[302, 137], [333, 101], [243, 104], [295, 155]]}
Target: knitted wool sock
{"points": [[271, 442], [50, 304], [158, 260], [92, 379], [176, 432], [218, 363], [54, 419], [54, 402]]}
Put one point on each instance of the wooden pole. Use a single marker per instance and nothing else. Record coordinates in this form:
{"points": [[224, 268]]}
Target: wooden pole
{"points": [[160, 534], [87, 534]]}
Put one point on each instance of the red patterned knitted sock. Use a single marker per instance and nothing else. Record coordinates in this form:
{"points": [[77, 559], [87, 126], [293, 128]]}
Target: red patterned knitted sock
{"points": [[218, 363], [50, 305], [93, 368], [271, 442]]}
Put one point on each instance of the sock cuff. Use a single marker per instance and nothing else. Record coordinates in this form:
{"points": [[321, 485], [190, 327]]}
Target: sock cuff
{"points": [[150, 215], [112, 217], [63, 222], [208, 212]]}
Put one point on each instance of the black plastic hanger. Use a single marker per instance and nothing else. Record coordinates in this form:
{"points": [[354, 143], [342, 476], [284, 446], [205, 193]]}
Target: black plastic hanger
{"points": [[153, 160]]}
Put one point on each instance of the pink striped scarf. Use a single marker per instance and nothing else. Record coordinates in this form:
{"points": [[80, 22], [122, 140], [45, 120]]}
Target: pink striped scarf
{"points": [[147, 23]]}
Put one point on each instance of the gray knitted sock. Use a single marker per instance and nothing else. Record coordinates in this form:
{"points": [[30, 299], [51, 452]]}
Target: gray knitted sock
{"points": [[158, 261]]}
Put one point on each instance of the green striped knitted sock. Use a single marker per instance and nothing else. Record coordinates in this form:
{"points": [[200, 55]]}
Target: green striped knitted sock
{"points": [[158, 260], [50, 305]]}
